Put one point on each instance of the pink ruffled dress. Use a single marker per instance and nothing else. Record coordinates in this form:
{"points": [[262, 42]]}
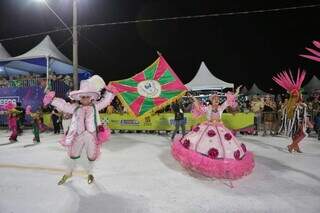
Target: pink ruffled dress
{"points": [[212, 150]]}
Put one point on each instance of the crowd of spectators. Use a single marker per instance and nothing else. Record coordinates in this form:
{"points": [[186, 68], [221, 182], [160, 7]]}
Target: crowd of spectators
{"points": [[267, 109], [33, 80]]}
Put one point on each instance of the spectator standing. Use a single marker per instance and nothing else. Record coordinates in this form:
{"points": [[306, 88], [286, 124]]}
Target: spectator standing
{"points": [[179, 118], [257, 107], [55, 116]]}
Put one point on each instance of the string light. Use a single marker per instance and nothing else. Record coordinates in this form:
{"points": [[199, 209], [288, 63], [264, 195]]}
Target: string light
{"points": [[166, 19]]}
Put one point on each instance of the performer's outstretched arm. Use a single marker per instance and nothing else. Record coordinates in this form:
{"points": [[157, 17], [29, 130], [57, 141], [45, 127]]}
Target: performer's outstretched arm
{"points": [[59, 103], [195, 101], [63, 106], [197, 108], [105, 101], [231, 99], [107, 98]]}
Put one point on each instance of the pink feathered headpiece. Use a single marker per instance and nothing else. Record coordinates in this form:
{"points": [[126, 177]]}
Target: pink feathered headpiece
{"points": [[9, 106], [287, 82]]}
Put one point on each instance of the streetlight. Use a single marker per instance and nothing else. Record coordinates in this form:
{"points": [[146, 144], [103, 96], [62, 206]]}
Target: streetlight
{"points": [[75, 45], [74, 34]]}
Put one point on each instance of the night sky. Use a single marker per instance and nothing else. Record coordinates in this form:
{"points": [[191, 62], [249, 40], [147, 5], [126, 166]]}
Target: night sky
{"points": [[242, 49]]}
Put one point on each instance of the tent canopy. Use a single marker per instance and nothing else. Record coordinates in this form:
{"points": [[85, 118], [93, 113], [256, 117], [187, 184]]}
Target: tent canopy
{"points": [[313, 84], [3, 52], [254, 90], [205, 80], [37, 60], [244, 90], [45, 48]]}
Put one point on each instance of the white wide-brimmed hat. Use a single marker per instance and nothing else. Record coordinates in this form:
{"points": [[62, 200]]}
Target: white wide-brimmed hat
{"points": [[86, 89]]}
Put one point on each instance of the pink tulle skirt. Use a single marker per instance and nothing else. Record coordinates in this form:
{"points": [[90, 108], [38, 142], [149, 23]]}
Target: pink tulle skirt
{"points": [[216, 168]]}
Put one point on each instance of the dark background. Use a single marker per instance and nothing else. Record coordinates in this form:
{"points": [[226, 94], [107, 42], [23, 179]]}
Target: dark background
{"points": [[242, 48]]}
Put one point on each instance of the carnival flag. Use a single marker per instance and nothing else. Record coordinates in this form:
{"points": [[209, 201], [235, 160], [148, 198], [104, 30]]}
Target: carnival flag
{"points": [[150, 90]]}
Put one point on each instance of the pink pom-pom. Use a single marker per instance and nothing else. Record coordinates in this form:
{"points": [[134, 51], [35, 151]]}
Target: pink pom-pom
{"points": [[211, 133], [213, 153], [196, 129], [228, 136], [186, 143], [9, 106], [48, 98], [244, 148], [237, 155], [103, 134]]}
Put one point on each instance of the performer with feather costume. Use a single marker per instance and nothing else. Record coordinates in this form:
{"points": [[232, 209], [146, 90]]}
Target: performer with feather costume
{"points": [[294, 113]]}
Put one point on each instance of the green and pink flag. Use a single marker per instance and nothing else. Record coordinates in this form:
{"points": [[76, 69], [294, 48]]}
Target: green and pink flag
{"points": [[150, 90]]}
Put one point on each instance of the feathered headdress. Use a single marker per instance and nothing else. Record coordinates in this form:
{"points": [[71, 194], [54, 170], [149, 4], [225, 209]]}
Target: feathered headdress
{"points": [[286, 81], [316, 54], [9, 106]]}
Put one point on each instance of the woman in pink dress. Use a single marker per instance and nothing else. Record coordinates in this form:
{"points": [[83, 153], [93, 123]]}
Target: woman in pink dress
{"points": [[13, 115], [12, 124], [210, 148]]}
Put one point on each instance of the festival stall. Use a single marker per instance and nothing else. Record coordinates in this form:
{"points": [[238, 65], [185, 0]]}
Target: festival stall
{"points": [[44, 59]]}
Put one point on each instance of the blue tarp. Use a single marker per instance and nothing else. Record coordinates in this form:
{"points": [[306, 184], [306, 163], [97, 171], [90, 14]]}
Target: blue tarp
{"points": [[39, 66]]}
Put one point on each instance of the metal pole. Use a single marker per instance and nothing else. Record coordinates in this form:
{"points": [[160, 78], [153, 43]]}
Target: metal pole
{"points": [[47, 86], [75, 46]]}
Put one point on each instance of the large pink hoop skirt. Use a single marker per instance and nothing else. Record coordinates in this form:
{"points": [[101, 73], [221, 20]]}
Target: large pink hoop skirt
{"points": [[213, 151]]}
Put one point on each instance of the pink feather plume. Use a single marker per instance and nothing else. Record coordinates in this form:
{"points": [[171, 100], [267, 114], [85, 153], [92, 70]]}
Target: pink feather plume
{"points": [[285, 80], [316, 54]]}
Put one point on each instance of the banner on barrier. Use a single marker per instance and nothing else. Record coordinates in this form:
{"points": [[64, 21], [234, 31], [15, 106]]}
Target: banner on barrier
{"points": [[165, 121], [25, 95], [6, 99]]}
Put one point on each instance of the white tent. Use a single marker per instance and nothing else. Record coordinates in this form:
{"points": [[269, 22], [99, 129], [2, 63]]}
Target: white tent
{"points": [[313, 84], [40, 59], [244, 90], [3, 52], [46, 48], [254, 90], [204, 80]]}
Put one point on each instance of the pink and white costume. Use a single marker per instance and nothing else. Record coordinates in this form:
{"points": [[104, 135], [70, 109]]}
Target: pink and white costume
{"points": [[212, 150], [82, 131]]}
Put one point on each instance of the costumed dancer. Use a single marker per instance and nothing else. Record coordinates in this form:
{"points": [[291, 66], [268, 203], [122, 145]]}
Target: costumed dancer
{"points": [[42, 126], [210, 148], [294, 112], [85, 131], [35, 123], [13, 116], [21, 118]]}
